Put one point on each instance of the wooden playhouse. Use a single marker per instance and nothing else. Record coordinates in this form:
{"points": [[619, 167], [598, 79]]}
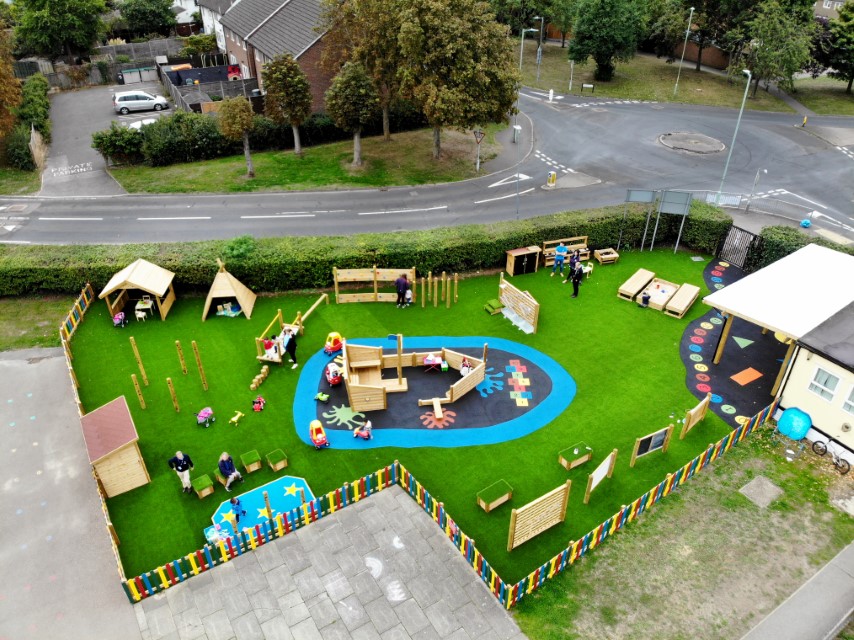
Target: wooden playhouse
{"points": [[143, 276]]}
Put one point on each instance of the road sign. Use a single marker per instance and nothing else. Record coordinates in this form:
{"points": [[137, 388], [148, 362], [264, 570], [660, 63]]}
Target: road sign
{"points": [[478, 135]]}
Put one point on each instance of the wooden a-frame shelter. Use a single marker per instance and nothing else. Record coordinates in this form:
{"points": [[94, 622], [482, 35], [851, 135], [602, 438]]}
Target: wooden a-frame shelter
{"points": [[226, 285], [144, 276]]}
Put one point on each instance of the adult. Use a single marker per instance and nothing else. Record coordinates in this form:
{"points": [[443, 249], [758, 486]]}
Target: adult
{"points": [[401, 284], [560, 255], [577, 275], [228, 470], [182, 464], [291, 346], [574, 259]]}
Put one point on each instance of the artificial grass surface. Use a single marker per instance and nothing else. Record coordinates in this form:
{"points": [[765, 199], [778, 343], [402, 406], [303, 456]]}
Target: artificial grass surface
{"points": [[625, 361]]}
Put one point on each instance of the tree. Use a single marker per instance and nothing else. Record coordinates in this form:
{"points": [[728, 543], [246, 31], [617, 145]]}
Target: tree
{"points": [[235, 123], [351, 102], [6, 17], [562, 14], [607, 31], [148, 16], [288, 98], [56, 27], [365, 31], [668, 21], [842, 45], [458, 64], [10, 87]]}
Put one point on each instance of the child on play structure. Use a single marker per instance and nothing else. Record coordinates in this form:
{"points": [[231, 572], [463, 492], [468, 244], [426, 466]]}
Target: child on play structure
{"points": [[270, 347], [364, 431], [465, 367]]}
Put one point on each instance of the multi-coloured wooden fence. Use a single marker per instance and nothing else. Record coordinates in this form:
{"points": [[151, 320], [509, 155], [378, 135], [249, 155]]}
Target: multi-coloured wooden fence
{"points": [[209, 556], [75, 316]]}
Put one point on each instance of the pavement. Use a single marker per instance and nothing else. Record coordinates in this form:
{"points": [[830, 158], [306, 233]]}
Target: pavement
{"points": [[380, 568]]}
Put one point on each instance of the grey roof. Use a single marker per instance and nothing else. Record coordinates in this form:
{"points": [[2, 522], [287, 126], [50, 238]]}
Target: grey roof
{"points": [[834, 338], [291, 29], [275, 26], [219, 7]]}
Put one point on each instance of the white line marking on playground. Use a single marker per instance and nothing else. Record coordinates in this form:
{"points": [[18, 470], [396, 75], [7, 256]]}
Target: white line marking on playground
{"points": [[72, 219], [279, 215], [380, 213], [514, 178], [178, 218], [512, 195]]}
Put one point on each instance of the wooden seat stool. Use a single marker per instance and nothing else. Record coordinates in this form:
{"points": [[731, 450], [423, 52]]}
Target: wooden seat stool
{"points": [[219, 477], [203, 486], [251, 461], [277, 459]]}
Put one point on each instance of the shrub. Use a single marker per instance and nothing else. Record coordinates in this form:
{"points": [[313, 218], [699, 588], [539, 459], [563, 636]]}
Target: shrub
{"points": [[104, 70], [122, 58], [194, 45], [778, 242], [184, 137], [266, 134], [122, 145], [35, 105], [18, 148]]}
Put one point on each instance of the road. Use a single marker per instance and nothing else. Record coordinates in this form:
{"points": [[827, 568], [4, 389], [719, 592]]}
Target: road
{"points": [[599, 148]]}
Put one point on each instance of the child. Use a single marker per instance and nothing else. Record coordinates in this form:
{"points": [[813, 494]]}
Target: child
{"points": [[408, 296], [258, 403], [465, 367], [237, 509], [645, 300], [364, 431]]}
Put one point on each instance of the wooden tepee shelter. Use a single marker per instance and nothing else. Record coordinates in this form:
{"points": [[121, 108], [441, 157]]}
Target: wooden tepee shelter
{"points": [[226, 285], [144, 276], [111, 442]]}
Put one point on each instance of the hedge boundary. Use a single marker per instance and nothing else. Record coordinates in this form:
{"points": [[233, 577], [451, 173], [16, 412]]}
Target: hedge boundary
{"points": [[305, 262]]}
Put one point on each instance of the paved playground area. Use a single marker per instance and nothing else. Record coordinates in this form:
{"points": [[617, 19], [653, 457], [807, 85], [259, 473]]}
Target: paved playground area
{"points": [[378, 569]]}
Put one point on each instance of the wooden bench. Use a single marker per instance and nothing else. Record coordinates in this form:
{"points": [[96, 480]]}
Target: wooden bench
{"points": [[277, 459], [203, 486], [679, 304], [634, 285], [576, 242], [251, 461]]}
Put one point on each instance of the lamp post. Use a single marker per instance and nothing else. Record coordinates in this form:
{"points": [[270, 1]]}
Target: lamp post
{"points": [[749, 75], [517, 128], [753, 190], [522, 46], [521, 52], [684, 46], [540, 45]]}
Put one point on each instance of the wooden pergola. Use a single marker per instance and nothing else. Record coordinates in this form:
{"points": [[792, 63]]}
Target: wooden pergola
{"points": [[144, 276]]}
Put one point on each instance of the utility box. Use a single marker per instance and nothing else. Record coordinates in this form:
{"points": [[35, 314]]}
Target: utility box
{"points": [[552, 181]]}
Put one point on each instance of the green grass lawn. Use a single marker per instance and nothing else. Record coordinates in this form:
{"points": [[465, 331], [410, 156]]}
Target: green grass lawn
{"points": [[644, 77], [405, 160], [32, 321], [624, 360], [14, 182], [825, 96]]}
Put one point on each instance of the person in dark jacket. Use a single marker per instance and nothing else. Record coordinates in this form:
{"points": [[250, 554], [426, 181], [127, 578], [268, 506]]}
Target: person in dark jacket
{"points": [[577, 275], [291, 346], [228, 470], [182, 464], [401, 285]]}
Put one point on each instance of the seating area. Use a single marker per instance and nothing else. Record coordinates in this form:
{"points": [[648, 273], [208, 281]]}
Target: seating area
{"points": [[634, 285], [277, 459], [668, 297], [681, 302], [203, 486], [251, 461]]}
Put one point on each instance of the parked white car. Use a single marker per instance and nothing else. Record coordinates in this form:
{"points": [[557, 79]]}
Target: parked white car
{"points": [[127, 101]]}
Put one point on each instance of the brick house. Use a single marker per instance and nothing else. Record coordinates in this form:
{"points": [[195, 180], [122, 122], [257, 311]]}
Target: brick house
{"points": [[255, 31]]}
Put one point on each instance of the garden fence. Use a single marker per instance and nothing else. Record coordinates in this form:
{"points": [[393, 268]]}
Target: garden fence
{"points": [[209, 556], [143, 50]]}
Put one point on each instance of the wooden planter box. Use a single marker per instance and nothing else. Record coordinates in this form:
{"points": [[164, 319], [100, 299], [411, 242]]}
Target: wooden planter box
{"points": [[574, 456], [494, 495]]}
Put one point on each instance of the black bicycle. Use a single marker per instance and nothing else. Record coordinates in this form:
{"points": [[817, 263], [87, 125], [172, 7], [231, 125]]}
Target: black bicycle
{"points": [[820, 448]]}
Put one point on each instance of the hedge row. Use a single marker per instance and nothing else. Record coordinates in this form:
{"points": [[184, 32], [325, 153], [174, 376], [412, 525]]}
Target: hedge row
{"points": [[778, 242], [34, 111], [289, 263]]}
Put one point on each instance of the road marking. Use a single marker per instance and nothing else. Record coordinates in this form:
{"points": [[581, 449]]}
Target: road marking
{"points": [[15, 242], [71, 219], [178, 218], [806, 200], [512, 195], [279, 216], [380, 213], [516, 177]]}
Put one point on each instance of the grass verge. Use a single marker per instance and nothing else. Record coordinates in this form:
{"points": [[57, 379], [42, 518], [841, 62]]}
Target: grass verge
{"points": [[405, 160], [705, 562], [14, 182], [32, 321], [825, 96]]}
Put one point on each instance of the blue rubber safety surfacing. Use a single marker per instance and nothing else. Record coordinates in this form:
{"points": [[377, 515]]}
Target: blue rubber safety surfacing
{"points": [[517, 375]]}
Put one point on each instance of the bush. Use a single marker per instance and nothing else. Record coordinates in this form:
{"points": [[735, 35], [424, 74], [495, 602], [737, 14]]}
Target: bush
{"points": [[35, 105], [266, 134], [120, 144], [18, 148], [194, 45], [104, 70], [185, 137], [281, 264], [122, 58], [778, 242]]}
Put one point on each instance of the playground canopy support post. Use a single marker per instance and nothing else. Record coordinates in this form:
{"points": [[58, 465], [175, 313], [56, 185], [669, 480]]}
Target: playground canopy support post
{"points": [[172, 393], [138, 361], [456, 287], [138, 390], [423, 285], [181, 356], [199, 363]]}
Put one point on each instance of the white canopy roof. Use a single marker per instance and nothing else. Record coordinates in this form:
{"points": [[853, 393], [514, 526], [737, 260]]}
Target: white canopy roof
{"points": [[794, 294]]}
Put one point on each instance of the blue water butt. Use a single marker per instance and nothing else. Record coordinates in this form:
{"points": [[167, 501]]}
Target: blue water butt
{"points": [[794, 423]]}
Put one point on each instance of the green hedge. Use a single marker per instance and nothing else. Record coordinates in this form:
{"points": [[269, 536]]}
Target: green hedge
{"points": [[778, 242], [288, 263], [35, 105]]}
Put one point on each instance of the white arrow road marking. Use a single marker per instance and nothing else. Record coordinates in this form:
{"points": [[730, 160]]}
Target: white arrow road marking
{"points": [[380, 213], [512, 195], [515, 177]]}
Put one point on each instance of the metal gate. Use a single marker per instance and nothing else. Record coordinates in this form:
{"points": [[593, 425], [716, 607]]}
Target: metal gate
{"points": [[737, 246]]}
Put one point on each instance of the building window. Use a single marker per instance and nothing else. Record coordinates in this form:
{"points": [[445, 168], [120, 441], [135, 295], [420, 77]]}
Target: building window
{"points": [[848, 405], [837, 5], [824, 384], [828, 4]]}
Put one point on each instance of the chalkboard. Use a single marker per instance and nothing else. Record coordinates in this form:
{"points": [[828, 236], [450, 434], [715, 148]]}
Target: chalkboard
{"points": [[650, 443]]}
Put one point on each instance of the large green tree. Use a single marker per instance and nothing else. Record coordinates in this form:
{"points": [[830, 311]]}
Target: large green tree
{"points": [[288, 94], [10, 87], [235, 123], [458, 64], [56, 27], [561, 14], [351, 102], [842, 45], [365, 31], [148, 16], [607, 31]]}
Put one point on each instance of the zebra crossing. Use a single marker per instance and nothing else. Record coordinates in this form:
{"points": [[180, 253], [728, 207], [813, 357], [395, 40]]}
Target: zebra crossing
{"points": [[603, 103], [553, 164]]}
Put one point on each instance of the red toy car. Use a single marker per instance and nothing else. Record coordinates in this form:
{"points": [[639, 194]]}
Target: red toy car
{"points": [[333, 374], [317, 434]]}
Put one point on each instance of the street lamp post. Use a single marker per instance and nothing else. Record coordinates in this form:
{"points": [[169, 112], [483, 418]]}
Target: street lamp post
{"points": [[540, 45], [516, 130], [521, 52], [749, 75], [753, 190], [684, 46]]}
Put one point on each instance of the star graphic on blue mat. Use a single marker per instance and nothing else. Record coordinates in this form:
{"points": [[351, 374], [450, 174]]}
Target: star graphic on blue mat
{"points": [[291, 490]]}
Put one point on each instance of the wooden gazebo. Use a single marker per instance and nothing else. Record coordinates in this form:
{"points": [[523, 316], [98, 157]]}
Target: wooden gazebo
{"points": [[144, 276], [111, 442]]}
